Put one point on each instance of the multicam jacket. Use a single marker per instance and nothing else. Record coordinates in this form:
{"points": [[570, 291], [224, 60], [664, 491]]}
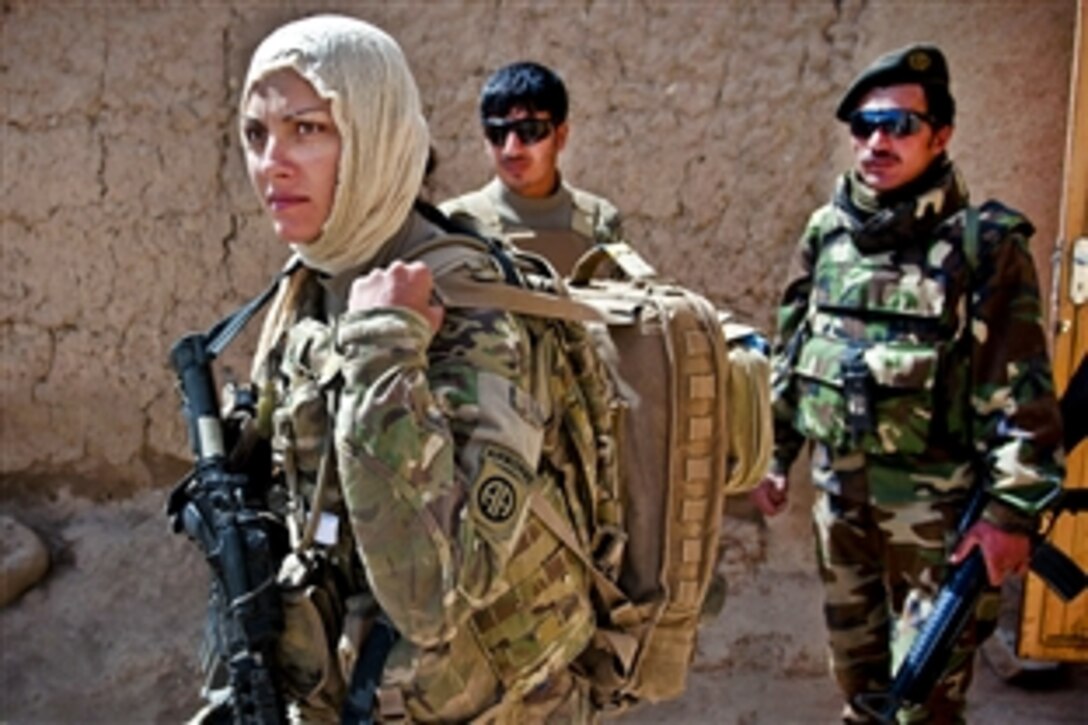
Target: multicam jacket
{"points": [[561, 226], [894, 343], [431, 445]]}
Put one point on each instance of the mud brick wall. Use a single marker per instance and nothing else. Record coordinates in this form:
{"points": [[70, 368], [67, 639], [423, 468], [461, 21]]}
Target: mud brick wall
{"points": [[126, 219]]}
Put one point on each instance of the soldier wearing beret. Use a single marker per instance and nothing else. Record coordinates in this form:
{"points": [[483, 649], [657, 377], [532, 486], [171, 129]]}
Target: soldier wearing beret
{"points": [[911, 360]]}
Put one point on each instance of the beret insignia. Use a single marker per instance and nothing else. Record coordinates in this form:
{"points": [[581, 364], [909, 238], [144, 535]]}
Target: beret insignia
{"points": [[919, 60]]}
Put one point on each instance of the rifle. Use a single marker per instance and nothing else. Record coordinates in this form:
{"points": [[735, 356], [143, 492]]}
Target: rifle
{"points": [[214, 506], [218, 507], [928, 656]]}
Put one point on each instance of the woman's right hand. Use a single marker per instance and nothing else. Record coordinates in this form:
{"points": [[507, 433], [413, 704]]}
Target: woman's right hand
{"points": [[401, 284]]}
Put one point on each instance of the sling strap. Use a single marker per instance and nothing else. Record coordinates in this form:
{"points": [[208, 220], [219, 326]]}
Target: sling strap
{"points": [[223, 332]]}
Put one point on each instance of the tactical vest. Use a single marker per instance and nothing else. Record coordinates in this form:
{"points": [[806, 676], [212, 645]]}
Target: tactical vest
{"points": [[872, 369], [534, 630]]}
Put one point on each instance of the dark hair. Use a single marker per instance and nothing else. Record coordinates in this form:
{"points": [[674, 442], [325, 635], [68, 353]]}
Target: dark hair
{"points": [[940, 104], [431, 164], [524, 85]]}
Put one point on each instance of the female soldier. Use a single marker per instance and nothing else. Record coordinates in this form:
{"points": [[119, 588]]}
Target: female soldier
{"points": [[405, 432]]}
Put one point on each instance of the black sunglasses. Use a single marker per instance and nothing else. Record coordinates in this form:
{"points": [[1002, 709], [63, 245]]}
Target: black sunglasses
{"points": [[896, 122], [528, 130]]}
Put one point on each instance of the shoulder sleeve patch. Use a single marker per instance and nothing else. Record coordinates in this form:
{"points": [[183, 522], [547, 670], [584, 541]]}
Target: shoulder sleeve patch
{"points": [[500, 493]]}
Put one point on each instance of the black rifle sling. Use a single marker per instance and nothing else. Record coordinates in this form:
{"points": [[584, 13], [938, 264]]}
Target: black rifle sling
{"points": [[223, 332]]}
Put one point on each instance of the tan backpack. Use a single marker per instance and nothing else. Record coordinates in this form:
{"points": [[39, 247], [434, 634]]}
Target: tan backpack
{"points": [[690, 395], [689, 421]]}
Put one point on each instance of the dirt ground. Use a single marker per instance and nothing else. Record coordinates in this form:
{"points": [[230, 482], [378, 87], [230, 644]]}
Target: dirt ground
{"points": [[111, 635]]}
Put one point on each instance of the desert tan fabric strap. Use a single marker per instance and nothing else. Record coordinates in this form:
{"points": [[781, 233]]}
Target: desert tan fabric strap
{"points": [[562, 530], [447, 253], [623, 645], [461, 290], [630, 262], [456, 287]]}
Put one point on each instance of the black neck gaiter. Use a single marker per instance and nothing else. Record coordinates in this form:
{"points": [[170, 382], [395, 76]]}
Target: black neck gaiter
{"points": [[882, 222]]}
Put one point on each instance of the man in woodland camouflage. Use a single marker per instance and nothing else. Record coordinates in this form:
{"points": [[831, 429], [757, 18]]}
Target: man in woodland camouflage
{"points": [[913, 361], [523, 109]]}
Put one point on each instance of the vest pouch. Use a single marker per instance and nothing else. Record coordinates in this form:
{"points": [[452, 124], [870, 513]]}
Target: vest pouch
{"points": [[903, 376], [821, 397], [831, 390], [306, 650]]}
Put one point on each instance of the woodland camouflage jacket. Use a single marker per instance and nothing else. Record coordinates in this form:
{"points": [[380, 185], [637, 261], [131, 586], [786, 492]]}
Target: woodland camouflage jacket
{"points": [[884, 352]]}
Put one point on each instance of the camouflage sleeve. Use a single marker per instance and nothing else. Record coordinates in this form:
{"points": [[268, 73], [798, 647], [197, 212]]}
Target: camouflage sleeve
{"points": [[609, 226], [418, 422], [464, 211], [1017, 420], [789, 335]]}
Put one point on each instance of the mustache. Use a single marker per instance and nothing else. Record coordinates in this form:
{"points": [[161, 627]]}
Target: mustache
{"points": [[881, 155]]}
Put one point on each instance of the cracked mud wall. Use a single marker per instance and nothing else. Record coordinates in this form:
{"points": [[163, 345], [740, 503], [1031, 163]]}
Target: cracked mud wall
{"points": [[125, 217]]}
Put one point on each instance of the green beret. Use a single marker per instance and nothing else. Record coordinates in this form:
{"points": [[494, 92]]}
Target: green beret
{"points": [[922, 64]]}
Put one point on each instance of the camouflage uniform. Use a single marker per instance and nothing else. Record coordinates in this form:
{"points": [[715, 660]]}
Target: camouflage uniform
{"points": [[950, 359], [561, 226], [417, 453]]}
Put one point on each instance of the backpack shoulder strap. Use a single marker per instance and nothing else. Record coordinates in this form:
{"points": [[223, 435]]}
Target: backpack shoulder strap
{"points": [[457, 284], [970, 239]]}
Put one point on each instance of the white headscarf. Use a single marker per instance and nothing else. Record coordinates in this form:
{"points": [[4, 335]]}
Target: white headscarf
{"points": [[383, 152], [384, 137]]}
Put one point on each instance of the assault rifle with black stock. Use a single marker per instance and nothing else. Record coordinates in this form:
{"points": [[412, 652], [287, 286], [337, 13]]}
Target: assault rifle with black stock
{"points": [[218, 505], [929, 653], [221, 504]]}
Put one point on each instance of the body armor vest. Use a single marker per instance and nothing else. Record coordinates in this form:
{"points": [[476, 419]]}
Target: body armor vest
{"points": [[872, 369]]}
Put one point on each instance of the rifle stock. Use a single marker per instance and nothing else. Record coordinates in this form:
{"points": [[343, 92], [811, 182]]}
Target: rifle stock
{"points": [[211, 505]]}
